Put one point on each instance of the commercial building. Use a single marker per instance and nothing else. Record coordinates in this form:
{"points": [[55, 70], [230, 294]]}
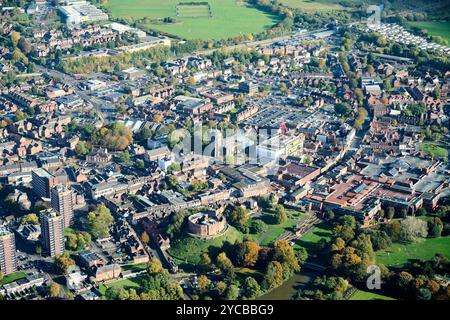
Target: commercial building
{"points": [[62, 202], [8, 262], [52, 232], [76, 12]]}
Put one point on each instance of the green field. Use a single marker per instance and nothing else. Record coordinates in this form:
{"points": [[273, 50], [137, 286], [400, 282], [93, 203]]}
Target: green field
{"points": [[365, 295], [12, 277], [434, 28], [309, 240], [230, 18], [398, 254], [190, 248], [316, 5], [434, 149], [123, 283]]}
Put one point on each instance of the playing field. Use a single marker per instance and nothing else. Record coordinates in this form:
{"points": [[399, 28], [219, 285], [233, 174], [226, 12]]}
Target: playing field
{"points": [[220, 19], [398, 254], [434, 28]]}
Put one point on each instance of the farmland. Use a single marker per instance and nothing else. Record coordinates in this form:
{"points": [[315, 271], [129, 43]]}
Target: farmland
{"points": [[218, 19]]}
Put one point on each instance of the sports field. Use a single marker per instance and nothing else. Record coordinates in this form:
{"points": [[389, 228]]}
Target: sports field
{"points": [[434, 28], [219, 19]]}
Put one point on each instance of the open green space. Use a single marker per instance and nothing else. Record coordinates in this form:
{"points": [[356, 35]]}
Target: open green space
{"points": [[398, 253], [12, 277], [127, 284], [316, 5], [434, 28], [310, 240], [190, 248], [367, 295], [225, 19], [434, 149]]}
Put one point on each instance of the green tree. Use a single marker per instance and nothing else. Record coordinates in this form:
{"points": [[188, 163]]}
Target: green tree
{"points": [[99, 221], [280, 214], [238, 216], [225, 265], [435, 227], [251, 288], [274, 275]]}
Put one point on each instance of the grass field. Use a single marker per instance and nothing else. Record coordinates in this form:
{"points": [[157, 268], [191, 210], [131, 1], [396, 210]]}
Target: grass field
{"points": [[309, 240], [12, 277], [398, 254], [366, 295], [230, 18], [434, 149], [123, 283], [434, 28], [191, 248], [316, 5]]}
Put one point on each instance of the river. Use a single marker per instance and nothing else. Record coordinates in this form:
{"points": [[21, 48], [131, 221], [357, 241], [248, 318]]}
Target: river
{"points": [[290, 286]]}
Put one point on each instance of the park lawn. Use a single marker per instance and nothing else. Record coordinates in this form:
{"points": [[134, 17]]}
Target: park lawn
{"points": [[276, 230], [398, 253], [434, 28], [135, 267], [230, 18], [12, 277], [434, 149], [131, 283], [367, 295], [190, 248]]}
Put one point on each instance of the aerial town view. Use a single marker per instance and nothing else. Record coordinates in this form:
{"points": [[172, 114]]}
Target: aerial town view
{"points": [[224, 150]]}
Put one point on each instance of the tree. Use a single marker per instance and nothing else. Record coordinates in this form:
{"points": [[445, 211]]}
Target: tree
{"points": [[140, 164], [15, 36], [30, 218], [78, 241], [205, 262], [342, 109], [55, 290], [82, 149], [238, 217], [232, 292], [63, 262], [411, 229], [435, 227], [274, 275], [99, 221], [158, 117], [154, 266], [280, 214], [204, 283], [145, 237], [284, 253], [221, 287], [24, 45], [225, 265], [251, 288], [257, 226], [125, 157], [1, 276], [247, 253], [301, 255]]}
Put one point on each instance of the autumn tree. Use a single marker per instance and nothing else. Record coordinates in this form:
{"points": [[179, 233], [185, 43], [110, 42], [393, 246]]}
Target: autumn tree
{"points": [[247, 253], [54, 290], [204, 284], [154, 266], [145, 237], [63, 262]]}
